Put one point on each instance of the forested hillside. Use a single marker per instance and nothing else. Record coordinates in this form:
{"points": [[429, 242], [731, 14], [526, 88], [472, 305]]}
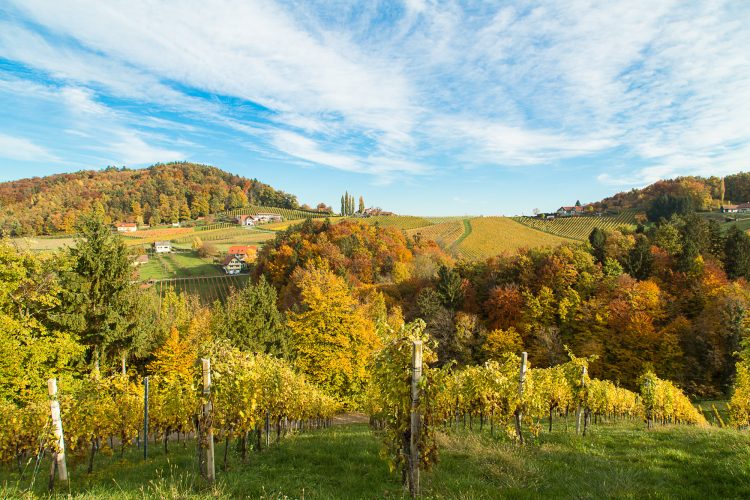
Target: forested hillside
{"points": [[162, 193], [681, 195]]}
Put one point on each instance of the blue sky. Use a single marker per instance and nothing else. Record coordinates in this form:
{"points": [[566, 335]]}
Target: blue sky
{"points": [[422, 107]]}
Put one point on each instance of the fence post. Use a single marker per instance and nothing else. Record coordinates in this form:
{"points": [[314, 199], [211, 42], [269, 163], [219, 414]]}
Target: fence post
{"points": [[207, 411], [59, 456], [145, 417], [416, 376], [519, 410], [268, 429], [579, 411]]}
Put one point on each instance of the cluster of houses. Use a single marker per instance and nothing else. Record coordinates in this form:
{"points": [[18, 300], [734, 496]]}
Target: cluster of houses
{"points": [[570, 211], [238, 257], [254, 220], [373, 212], [733, 209]]}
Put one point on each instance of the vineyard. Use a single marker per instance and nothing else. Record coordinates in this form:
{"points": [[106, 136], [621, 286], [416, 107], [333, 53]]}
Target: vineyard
{"points": [[208, 288], [242, 393], [404, 222], [491, 236], [444, 234], [286, 213], [579, 228]]}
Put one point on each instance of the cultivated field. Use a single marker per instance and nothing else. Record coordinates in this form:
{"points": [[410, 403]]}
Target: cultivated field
{"points": [[488, 236], [43, 244], [446, 234], [404, 222], [286, 213], [178, 265], [208, 288], [578, 228]]}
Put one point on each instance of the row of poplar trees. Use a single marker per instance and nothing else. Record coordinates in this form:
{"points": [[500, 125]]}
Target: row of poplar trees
{"points": [[347, 204]]}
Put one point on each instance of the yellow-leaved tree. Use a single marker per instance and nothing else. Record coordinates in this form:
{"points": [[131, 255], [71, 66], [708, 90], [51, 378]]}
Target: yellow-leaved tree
{"points": [[173, 398], [332, 339]]}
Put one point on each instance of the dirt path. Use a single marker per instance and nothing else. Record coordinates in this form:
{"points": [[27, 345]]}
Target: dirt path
{"points": [[350, 418]]}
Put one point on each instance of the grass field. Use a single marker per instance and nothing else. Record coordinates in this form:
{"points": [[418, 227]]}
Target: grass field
{"points": [[178, 265], [488, 236], [37, 244], [621, 460]]}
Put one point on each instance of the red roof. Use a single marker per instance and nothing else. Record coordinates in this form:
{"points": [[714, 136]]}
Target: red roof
{"points": [[127, 224], [237, 250], [241, 249]]}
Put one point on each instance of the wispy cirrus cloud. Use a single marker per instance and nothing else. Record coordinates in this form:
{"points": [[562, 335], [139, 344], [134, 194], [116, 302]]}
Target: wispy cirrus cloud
{"points": [[400, 89], [20, 148]]}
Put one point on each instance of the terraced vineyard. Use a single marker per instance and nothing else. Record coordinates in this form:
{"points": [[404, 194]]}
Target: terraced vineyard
{"points": [[446, 234], [286, 213], [405, 222], [208, 288], [578, 228], [490, 236]]}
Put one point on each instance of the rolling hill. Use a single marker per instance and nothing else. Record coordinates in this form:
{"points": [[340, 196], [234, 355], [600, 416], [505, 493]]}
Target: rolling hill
{"points": [[162, 193]]}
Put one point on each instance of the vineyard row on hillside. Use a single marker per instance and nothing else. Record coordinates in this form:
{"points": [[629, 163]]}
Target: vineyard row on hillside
{"points": [[578, 228]]}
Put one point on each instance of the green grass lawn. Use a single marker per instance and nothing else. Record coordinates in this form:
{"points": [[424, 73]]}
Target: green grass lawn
{"points": [[178, 265], [614, 461]]}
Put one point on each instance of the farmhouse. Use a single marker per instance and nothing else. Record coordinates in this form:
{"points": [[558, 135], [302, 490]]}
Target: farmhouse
{"points": [[232, 265], [245, 220], [267, 217], [570, 211], [126, 227], [162, 247], [243, 252], [140, 260], [729, 209]]}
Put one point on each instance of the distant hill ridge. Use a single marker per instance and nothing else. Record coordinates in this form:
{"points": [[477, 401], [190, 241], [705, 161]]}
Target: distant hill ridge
{"points": [[161, 193], [700, 193]]}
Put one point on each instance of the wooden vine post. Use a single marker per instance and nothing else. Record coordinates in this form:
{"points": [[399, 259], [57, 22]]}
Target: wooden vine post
{"points": [[415, 424], [208, 438], [145, 417], [58, 461], [519, 410], [579, 410]]}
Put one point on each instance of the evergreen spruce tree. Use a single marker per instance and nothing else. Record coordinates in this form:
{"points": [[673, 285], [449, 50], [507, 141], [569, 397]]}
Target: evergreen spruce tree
{"points": [[252, 322], [737, 254], [449, 287], [99, 302], [639, 260], [598, 239]]}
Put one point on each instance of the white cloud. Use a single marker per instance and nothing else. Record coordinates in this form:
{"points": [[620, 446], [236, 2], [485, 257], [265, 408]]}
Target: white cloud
{"points": [[20, 148], [129, 148], [664, 83]]}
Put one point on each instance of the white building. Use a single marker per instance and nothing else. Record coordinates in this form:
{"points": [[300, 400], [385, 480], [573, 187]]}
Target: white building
{"points": [[232, 265], [162, 247], [127, 227]]}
